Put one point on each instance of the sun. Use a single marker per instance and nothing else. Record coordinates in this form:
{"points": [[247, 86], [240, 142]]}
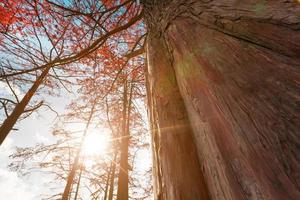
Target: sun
{"points": [[96, 143]]}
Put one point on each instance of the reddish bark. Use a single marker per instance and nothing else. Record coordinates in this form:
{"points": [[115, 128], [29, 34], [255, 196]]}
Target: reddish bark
{"points": [[177, 169], [238, 73]]}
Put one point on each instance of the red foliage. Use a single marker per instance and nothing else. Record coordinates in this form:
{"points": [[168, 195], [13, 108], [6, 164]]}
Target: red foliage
{"points": [[9, 12]]}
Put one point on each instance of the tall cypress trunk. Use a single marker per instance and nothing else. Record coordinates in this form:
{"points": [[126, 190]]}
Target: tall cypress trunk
{"points": [[11, 120], [123, 179], [236, 65]]}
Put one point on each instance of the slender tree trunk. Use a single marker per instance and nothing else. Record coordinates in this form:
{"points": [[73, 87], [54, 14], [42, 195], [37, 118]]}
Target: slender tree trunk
{"points": [[79, 179], [123, 179], [76, 163], [70, 179], [110, 175], [236, 64], [107, 181], [11, 120], [112, 178], [122, 193]]}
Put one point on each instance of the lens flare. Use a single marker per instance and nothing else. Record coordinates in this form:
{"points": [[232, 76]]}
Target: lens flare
{"points": [[96, 143]]}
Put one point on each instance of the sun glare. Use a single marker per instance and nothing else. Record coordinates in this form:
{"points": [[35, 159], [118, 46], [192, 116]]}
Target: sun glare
{"points": [[96, 143]]}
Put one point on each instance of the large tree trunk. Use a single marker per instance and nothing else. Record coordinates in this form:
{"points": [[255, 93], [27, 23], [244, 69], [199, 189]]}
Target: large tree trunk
{"points": [[238, 73]]}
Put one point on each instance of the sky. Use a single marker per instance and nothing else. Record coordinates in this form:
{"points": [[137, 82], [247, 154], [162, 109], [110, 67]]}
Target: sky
{"points": [[32, 130], [13, 186]]}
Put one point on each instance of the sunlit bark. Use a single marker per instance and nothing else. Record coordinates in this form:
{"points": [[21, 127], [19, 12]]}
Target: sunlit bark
{"points": [[177, 171], [110, 177]]}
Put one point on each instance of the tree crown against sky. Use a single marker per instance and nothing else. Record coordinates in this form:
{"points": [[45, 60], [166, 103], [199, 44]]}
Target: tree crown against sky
{"points": [[80, 34], [87, 47]]}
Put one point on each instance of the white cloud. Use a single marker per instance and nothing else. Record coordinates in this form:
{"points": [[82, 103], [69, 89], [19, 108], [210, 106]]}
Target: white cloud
{"points": [[41, 138], [5, 150], [7, 90], [12, 186]]}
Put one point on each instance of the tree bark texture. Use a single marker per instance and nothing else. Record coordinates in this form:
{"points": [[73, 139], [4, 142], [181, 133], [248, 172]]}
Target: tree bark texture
{"points": [[237, 67]]}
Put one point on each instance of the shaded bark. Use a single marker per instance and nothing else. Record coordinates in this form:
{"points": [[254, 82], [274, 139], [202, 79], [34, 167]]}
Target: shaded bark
{"points": [[237, 68]]}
